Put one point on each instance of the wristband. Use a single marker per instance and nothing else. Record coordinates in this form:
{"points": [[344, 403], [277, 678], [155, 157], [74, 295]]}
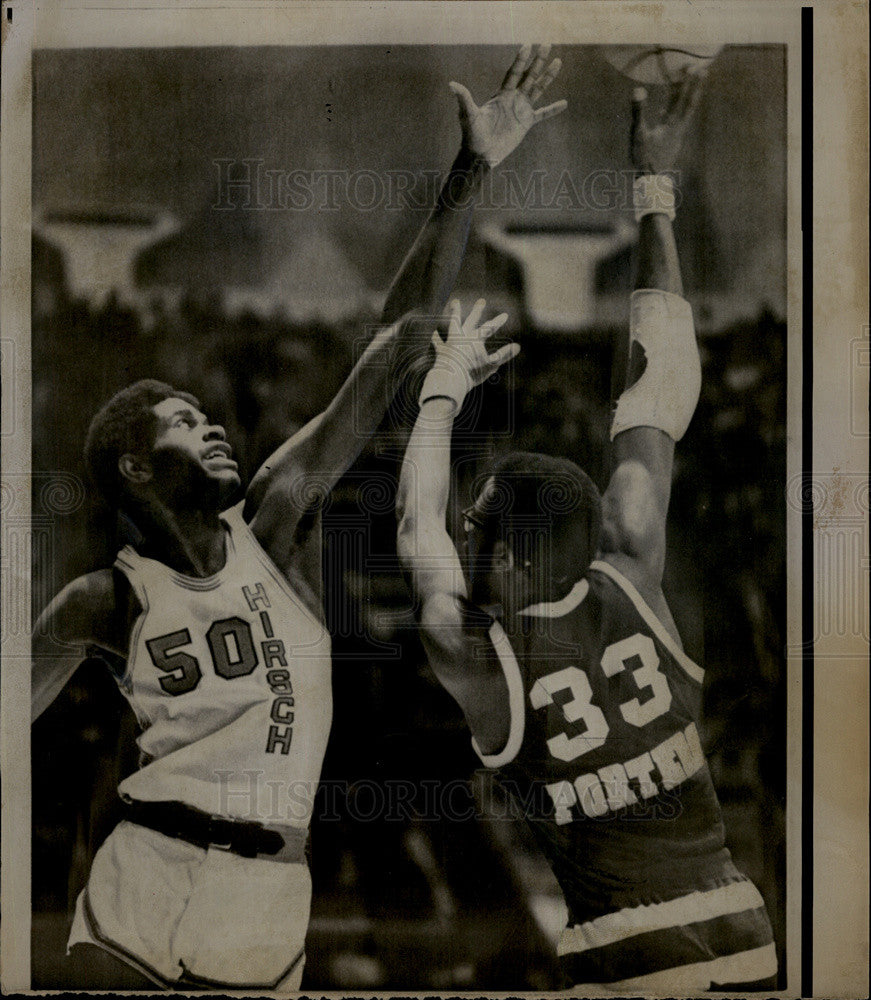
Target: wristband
{"points": [[653, 193], [445, 383]]}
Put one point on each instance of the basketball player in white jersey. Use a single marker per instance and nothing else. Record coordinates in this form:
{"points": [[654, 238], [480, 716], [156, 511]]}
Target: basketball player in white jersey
{"points": [[214, 625], [566, 661]]}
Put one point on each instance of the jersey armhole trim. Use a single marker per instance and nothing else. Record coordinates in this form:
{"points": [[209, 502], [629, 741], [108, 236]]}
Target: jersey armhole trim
{"points": [[130, 570], [516, 701], [692, 669], [556, 609]]}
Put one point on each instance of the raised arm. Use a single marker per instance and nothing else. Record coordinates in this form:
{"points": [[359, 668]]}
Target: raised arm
{"points": [[489, 134], [298, 476], [304, 469], [663, 372], [426, 551]]}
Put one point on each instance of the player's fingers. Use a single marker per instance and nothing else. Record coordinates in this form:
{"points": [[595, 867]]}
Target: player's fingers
{"points": [[503, 355], [437, 341], [549, 110], [455, 323], [492, 325], [464, 99], [545, 81], [475, 314], [517, 68], [532, 74]]}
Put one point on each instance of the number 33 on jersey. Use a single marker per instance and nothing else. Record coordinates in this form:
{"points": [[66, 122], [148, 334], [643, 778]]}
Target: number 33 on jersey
{"points": [[610, 702]]}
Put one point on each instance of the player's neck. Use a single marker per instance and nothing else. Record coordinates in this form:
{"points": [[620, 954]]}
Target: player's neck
{"points": [[190, 541]]}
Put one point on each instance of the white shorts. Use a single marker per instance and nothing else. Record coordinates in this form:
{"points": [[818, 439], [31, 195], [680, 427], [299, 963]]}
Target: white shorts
{"points": [[172, 910]]}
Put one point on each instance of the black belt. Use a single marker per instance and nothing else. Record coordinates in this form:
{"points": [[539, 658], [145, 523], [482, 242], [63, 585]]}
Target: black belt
{"points": [[247, 839]]}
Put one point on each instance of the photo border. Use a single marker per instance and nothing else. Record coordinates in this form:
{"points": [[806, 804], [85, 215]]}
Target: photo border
{"points": [[816, 36]]}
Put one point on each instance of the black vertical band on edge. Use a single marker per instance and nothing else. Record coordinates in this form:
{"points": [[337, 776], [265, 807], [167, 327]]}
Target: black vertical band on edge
{"points": [[807, 511]]}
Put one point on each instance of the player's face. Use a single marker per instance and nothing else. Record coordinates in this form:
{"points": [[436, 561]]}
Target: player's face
{"points": [[191, 455], [493, 573]]}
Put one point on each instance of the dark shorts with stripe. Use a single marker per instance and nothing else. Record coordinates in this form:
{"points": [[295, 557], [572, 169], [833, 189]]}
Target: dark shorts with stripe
{"points": [[717, 934]]}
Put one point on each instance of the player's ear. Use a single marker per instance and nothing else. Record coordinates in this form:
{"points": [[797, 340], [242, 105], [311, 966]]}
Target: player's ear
{"points": [[134, 468], [503, 557]]}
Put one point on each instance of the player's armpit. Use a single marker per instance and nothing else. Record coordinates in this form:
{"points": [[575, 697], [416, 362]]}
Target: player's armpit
{"points": [[298, 477], [284, 499], [284, 473], [49, 676], [461, 656]]}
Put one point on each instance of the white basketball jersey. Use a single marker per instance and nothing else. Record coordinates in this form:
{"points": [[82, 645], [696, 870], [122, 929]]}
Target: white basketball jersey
{"points": [[230, 678]]}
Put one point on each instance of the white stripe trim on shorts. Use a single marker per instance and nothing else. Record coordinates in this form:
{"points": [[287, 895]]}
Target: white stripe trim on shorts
{"points": [[690, 909], [742, 967], [100, 940], [649, 616], [516, 700]]}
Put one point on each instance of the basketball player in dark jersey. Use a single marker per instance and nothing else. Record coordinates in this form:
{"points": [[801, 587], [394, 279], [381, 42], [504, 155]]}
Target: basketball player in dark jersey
{"points": [[562, 652], [214, 625]]}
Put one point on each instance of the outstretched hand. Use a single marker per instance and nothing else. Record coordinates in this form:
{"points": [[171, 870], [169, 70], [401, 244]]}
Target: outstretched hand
{"points": [[496, 128], [464, 353], [654, 147]]}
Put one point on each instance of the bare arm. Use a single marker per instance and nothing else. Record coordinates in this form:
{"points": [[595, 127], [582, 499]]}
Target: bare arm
{"points": [[84, 613], [490, 133], [635, 503], [426, 551], [300, 474], [429, 271]]}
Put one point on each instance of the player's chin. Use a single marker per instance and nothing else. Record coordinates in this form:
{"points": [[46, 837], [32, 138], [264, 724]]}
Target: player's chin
{"points": [[231, 477], [226, 481]]}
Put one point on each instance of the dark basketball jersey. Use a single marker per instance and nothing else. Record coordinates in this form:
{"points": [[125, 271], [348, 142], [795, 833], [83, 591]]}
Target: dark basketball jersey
{"points": [[605, 760]]}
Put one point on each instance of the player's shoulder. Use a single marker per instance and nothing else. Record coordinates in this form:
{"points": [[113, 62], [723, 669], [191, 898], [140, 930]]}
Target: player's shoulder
{"points": [[618, 572], [91, 591], [96, 607], [626, 586]]}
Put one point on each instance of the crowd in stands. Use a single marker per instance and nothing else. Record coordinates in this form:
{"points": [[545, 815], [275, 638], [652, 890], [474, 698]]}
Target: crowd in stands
{"points": [[262, 378]]}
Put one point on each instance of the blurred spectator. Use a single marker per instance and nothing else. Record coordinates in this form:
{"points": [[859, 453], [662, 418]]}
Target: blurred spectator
{"points": [[262, 378]]}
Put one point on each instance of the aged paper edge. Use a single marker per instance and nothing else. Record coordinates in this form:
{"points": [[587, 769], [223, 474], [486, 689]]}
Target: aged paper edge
{"points": [[840, 740]]}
